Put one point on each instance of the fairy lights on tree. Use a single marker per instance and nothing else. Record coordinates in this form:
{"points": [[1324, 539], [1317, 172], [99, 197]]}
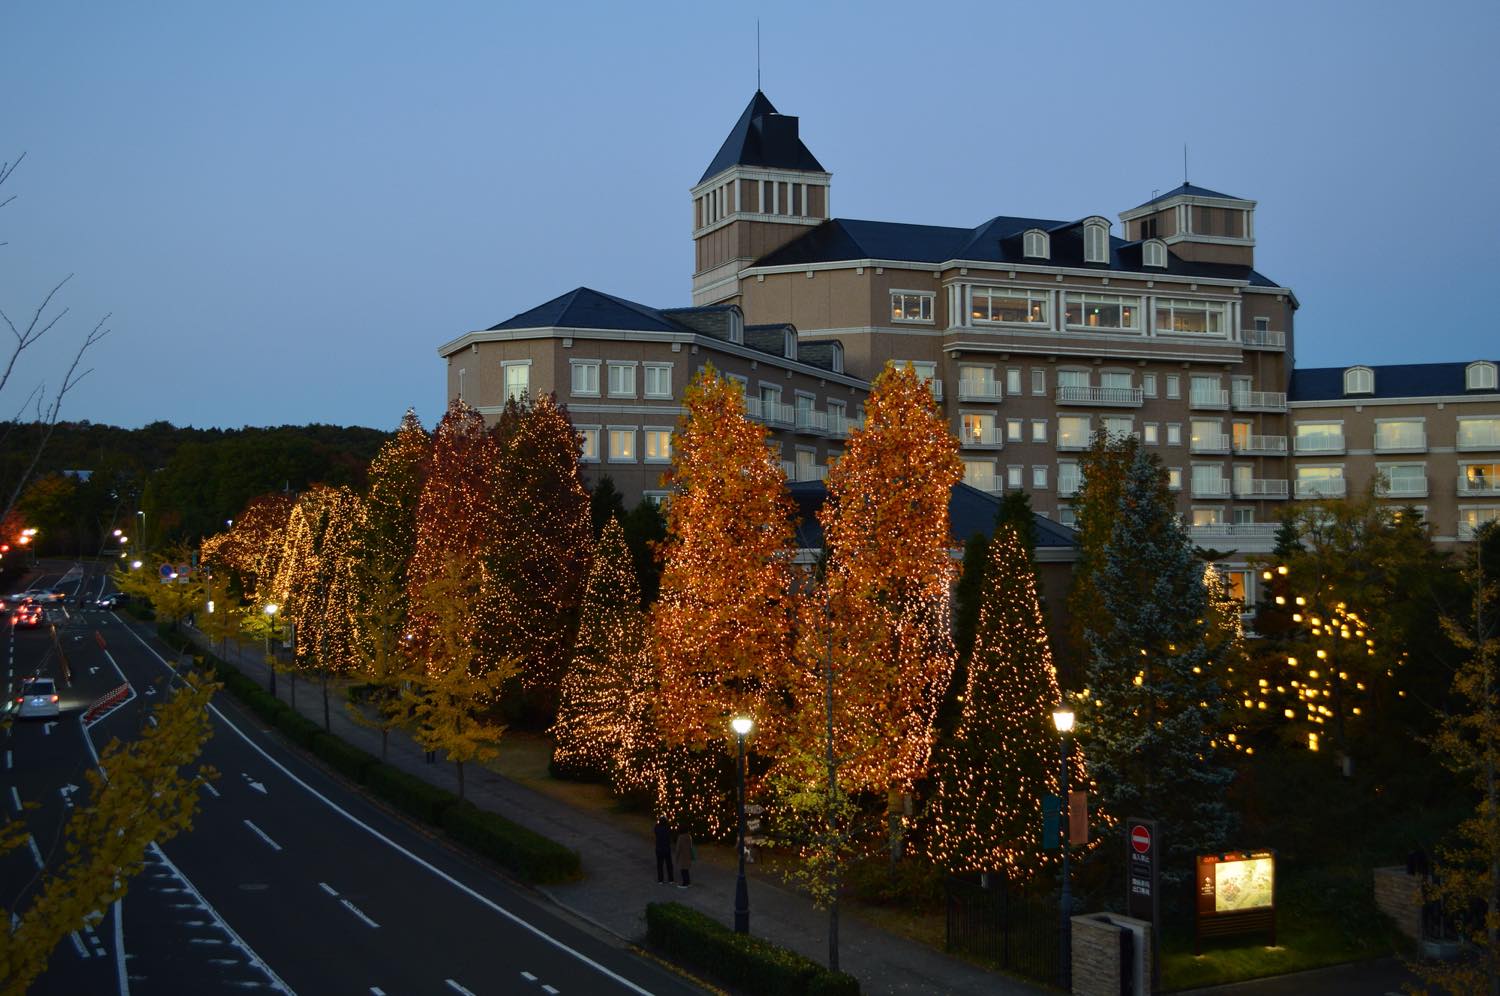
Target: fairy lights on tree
{"points": [[1003, 759], [251, 547]]}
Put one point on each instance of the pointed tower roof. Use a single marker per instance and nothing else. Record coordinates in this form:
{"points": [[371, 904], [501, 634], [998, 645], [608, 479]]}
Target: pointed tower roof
{"points": [[763, 137]]}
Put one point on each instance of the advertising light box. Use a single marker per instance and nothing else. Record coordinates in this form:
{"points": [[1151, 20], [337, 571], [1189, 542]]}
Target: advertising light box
{"points": [[1236, 893]]}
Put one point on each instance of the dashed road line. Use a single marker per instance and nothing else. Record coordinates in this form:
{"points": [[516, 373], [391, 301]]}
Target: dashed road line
{"points": [[550, 989], [528, 976], [35, 851], [328, 889], [263, 836], [211, 790], [83, 952], [358, 912], [457, 988], [15, 798]]}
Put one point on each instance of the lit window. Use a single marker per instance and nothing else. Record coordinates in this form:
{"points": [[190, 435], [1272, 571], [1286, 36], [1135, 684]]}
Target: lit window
{"points": [[1479, 377], [911, 307], [1013, 476], [1359, 380], [1072, 432], [658, 380], [1118, 427], [1039, 430], [590, 443], [980, 474], [1069, 477], [1096, 242], [1471, 519], [1207, 516], [1315, 437], [622, 380], [1174, 434], [978, 429], [1013, 381], [1151, 434], [1010, 305], [1154, 253], [622, 445], [1014, 429], [1174, 478], [517, 380], [1406, 434], [1102, 311], [1190, 317], [1478, 433], [658, 445], [1038, 245], [586, 379]]}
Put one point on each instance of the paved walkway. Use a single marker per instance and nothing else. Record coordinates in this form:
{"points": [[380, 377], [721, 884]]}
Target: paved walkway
{"points": [[620, 876]]}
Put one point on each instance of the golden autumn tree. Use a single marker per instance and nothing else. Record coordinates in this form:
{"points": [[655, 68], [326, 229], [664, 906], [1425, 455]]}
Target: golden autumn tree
{"points": [[722, 626], [334, 620], [609, 658], [888, 580], [251, 547]]}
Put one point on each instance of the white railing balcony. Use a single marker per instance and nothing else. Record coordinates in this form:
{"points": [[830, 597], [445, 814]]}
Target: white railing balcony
{"points": [[808, 472], [1259, 534], [1478, 487], [839, 426], [770, 412], [1259, 401], [1209, 442], [979, 390], [990, 436], [1210, 488], [1322, 442], [789, 468], [936, 386], [1067, 487], [1468, 529], [1072, 444], [812, 421], [1404, 487], [1406, 444], [1263, 339], [1257, 488], [984, 482], [1126, 397], [1261, 445], [1479, 438], [1208, 399], [1335, 487]]}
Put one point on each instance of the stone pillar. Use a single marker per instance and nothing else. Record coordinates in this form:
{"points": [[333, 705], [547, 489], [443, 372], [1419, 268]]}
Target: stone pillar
{"points": [[1096, 953], [1399, 896]]}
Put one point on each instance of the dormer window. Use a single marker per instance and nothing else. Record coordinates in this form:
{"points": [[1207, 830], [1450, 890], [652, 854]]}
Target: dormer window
{"points": [[1359, 380], [1095, 242], [1154, 253], [837, 356], [1038, 244], [1479, 376], [737, 326], [789, 344]]}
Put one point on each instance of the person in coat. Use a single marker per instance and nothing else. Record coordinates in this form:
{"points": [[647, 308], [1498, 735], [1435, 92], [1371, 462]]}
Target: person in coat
{"points": [[685, 852], [664, 874]]}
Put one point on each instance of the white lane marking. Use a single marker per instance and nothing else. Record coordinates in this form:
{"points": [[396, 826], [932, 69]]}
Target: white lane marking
{"points": [[258, 786], [250, 955], [528, 976], [262, 835], [531, 928], [83, 952], [47, 728], [15, 797], [376, 991], [36, 852], [120, 948], [211, 790], [7, 759], [358, 912], [551, 990], [457, 988], [328, 889]]}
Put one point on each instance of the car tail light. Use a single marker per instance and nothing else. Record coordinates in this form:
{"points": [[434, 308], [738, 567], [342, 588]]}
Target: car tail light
{"points": [[20, 699], [54, 698]]}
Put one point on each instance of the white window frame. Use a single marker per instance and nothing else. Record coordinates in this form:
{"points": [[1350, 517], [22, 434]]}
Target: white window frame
{"points": [[1084, 298], [926, 306], [1174, 433], [1088, 431], [1174, 387], [1036, 244], [1151, 433], [1095, 242], [656, 368], [1493, 420], [1039, 381], [1480, 376], [635, 449], [1173, 304], [1154, 253], [505, 368], [1359, 380], [1013, 381], [574, 367], [645, 433], [1038, 430], [611, 366], [1015, 477], [1039, 476], [1015, 430], [1148, 385], [1174, 478], [583, 437], [1030, 295]]}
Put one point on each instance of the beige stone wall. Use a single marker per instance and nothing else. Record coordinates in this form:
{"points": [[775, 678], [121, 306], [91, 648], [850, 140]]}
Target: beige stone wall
{"points": [[1399, 896], [1096, 954]]}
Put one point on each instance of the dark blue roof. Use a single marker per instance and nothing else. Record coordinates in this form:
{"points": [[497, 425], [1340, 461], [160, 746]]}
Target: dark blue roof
{"points": [[585, 308], [763, 137], [1402, 380], [970, 511], [999, 240], [1190, 190]]}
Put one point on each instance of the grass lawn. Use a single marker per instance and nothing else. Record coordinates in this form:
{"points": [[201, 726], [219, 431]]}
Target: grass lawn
{"points": [[1298, 948]]}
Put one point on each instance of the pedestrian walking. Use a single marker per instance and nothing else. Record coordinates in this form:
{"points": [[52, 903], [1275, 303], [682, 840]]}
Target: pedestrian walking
{"points": [[686, 854], [664, 874]]}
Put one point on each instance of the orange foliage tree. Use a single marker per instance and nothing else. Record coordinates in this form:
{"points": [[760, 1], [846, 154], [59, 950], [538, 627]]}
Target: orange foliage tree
{"points": [[722, 627], [251, 547]]}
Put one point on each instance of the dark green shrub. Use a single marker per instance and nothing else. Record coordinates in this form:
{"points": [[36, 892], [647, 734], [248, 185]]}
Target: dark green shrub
{"points": [[739, 961], [263, 704], [409, 793], [297, 726], [343, 758], [527, 855]]}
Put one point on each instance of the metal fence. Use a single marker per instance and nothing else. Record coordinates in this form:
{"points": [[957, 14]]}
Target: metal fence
{"points": [[1010, 926]]}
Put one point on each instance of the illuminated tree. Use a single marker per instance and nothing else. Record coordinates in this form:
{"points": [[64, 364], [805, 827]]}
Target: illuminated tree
{"points": [[544, 541], [451, 699], [142, 791], [1151, 719], [888, 581], [457, 516], [993, 774], [722, 627], [608, 658], [251, 547], [335, 618]]}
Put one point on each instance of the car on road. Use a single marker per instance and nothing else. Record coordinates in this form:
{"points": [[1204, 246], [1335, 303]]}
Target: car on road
{"points": [[28, 615], [38, 698], [110, 601], [51, 595]]}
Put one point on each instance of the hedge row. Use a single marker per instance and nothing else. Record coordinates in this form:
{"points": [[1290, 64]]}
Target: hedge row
{"points": [[527, 855], [740, 961]]}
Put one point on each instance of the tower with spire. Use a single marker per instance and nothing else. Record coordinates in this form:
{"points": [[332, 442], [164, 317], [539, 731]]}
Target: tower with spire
{"points": [[763, 189]]}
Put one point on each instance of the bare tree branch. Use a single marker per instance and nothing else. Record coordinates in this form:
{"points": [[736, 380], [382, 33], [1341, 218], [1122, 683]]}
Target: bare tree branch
{"points": [[31, 333], [15, 419]]}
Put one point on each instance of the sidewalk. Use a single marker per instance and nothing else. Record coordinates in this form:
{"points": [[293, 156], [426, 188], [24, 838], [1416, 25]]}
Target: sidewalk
{"points": [[620, 871]]}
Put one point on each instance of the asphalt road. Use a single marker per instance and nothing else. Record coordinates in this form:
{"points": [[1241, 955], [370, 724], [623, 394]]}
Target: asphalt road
{"points": [[288, 880]]}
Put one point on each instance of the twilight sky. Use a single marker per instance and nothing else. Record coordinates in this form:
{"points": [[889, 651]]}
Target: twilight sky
{"points": [[288, 206]]}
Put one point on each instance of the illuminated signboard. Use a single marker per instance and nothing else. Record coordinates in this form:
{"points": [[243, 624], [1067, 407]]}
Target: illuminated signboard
{"points": [[1236, 893]]}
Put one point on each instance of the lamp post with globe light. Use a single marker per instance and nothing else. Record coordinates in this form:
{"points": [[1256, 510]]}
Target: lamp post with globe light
{"points": [[742, 726], [1062, 718]]}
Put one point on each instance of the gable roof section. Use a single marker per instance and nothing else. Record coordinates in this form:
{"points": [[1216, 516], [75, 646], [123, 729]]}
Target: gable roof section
{"points": [[763, 137], [1402, 380], [1187, 189]]}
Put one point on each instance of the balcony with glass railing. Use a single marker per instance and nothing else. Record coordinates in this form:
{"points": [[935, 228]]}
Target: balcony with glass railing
{"points": [[1210, 487], [1083, 394], [1260, 445], [1260, 488], [1263, 339], [1321, 487], [1470, 521], [982, 437], [771, 412], [983, 481], [1258, 401], [1478, 437], [979, 390], [1319, 442], [1203, 398], [811, 421], [1404, 487], [1478, 486], [1400, 442], [1209, 442], [839, 426]]}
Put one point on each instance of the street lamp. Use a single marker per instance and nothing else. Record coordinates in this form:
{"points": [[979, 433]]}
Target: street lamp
{"points": [[742, 725], [1062, 718], [270, 610]]}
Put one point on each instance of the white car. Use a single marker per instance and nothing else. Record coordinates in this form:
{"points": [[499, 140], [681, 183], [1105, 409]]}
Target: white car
{"points": [[38, 698]]}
